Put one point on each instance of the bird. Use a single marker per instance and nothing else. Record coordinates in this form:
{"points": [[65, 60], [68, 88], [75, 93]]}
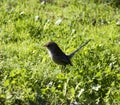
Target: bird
{"points": [[58, 56]]}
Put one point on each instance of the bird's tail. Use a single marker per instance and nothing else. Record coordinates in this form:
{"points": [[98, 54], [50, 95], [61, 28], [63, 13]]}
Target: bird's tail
{"points": [[71, 54]]}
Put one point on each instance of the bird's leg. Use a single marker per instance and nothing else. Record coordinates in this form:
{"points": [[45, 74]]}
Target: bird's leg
{"points": [[63, 68]]}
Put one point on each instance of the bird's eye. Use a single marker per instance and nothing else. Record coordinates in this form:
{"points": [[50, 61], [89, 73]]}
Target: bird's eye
{"points": [[48, 45]]}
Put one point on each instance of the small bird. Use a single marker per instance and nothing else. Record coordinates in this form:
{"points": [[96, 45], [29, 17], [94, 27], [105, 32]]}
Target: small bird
{"points": [[58, 56]]}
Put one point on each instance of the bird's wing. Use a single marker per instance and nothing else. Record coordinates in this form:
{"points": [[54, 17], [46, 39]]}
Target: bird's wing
{"points": [[62, 59]]}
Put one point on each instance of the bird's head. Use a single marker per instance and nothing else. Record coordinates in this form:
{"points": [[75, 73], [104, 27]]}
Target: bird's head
{"points": [[52, 46]]}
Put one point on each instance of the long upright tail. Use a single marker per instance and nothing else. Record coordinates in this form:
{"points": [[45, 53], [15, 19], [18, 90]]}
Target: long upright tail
{"points": [[71, 54]]}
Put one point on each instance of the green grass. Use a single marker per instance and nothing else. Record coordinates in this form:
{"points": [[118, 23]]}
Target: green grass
{"points": [[28, 75]]}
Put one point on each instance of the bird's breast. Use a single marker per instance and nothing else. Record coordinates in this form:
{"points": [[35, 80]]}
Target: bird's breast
{"points": [[50, 54]]}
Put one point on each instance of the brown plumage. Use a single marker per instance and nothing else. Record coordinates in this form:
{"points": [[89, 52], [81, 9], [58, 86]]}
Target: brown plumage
{"points": [[58, 56]]}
